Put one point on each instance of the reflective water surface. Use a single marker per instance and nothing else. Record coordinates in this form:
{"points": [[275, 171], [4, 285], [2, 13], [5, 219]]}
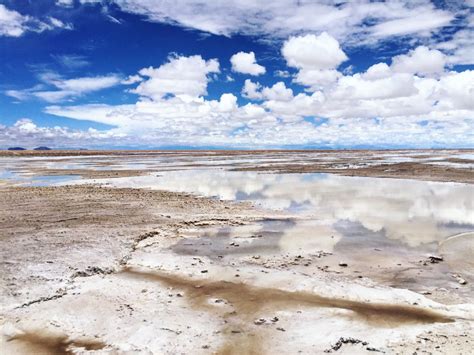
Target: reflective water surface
{"points": [[386, 227], [413, 212]]}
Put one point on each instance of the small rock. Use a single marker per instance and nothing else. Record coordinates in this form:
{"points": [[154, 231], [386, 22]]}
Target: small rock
{"points": [[203, 271], [460, 279], [259, 321], [275, 319], [342, 264], [434, 259], [281, 329]]}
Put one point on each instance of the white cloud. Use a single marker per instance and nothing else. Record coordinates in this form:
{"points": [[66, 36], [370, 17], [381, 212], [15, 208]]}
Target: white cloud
{"points": [[356, 22], [461, 46], [317, 79], [377, 71], [14, 24], [56, 23], [246, 63], [456, 91], [421, 60], [87, 84], [276, 123], [255, 91], [53, 96], [252, 90], [68, 88], [380, 106], [422, 24], [355, 87], [313, 52], [18, 94], [65, 3], [316, 57], [71, 61], [26, 133], [282, 73], [181, 75], [278, 92], [132, 79], [227, 103]]}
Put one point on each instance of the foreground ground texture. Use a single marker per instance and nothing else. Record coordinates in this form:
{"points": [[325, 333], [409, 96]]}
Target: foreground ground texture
{"points": [[95, 267]]}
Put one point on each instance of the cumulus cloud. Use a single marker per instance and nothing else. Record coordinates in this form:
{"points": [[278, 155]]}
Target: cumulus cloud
{"points": [[278, 92], [180, 76], [14, 24], [313, 52], [355, 87], [316, 57], [381, 106], [377, 71], [252, 90], [317, 79], [399, 101], [246, 63], [27, 133], [421, 60], [255, 91], [227, 103]]}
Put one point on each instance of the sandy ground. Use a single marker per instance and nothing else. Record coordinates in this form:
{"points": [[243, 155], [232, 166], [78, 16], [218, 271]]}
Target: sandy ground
{"points": [[87, 269]]}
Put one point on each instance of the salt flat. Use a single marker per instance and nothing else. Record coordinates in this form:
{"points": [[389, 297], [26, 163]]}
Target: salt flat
{"points": [[237, 252]]}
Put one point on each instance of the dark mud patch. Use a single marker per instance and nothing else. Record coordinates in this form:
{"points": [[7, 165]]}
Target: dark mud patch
{"points": [[249, 300], [243, 336], [37, 343]]}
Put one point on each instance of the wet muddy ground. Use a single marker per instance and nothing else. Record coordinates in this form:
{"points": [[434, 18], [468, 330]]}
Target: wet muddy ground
{"points": [[233, 253]]}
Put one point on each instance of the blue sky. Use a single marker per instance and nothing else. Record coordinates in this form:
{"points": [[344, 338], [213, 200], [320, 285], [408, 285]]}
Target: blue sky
{"points": [[236, 74]]}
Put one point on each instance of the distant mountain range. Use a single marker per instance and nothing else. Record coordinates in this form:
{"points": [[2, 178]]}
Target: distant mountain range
{"points": [[37, 148]]}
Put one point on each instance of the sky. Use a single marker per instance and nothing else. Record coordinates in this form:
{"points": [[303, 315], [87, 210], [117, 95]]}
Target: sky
{"points": [[236, 74]]}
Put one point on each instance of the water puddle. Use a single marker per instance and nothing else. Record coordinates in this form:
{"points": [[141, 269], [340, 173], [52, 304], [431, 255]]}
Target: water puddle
{"points": [[384, 229], [411, 212]]}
